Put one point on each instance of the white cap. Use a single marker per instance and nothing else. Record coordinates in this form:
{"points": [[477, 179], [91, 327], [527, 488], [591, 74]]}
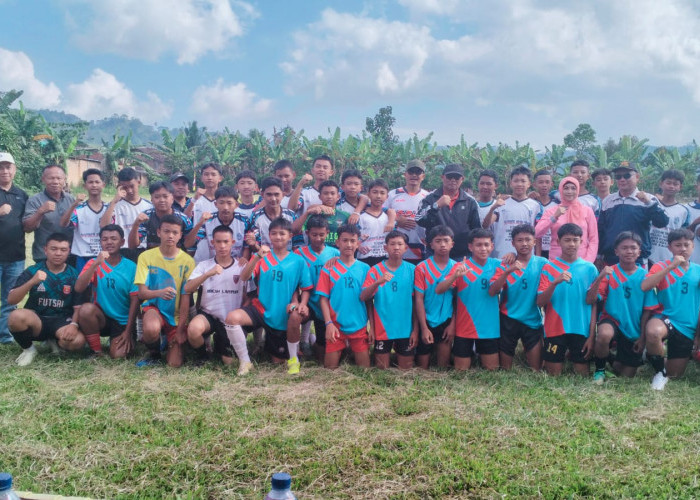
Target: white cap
{"points": [[6, 158]]}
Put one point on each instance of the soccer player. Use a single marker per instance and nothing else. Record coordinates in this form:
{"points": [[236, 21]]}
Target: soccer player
{"points": [[221, 290], [146, 226], [247, 185], [205, 199], [486, 192], [344, 314], [51, 310], [351, 199], [181, 186], [626, 309], [375, 223], [477, 310], [321, 170], [115, 302], [569, 321], [434, 312], [508, 212], [330, 194], [85, 219], [284, 171], [671, 184], [278, 274], [161, 274], [226, 214], [520, 318], [257, 229], [543, 183], [677, 284], [389, 285], [602, 182], [694, 226]]}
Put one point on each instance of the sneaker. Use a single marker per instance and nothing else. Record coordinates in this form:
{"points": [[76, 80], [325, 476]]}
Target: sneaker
{"points": [[27, 356], [599, 377], [52, 345], [150, 360], [659, 381], [245, 367], [305, 349], [293, 366]]}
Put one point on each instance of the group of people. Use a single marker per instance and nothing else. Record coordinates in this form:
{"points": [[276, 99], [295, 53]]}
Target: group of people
{"points": [[448, 275]]}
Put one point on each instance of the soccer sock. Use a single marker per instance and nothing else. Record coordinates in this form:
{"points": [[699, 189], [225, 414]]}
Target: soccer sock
{"points": [[293, 349], [657, 362], [93, 340], [23, 338], [306, 332], [600, 364], [236, 336]]}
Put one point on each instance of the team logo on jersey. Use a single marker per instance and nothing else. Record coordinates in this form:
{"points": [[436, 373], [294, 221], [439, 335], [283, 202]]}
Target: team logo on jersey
{"points": [[236, 278], [66, 289]]}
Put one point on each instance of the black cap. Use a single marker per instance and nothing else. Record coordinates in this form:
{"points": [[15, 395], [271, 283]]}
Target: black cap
{"points": [[179, 175], [415, 164], [453, 168], [626, 165]]}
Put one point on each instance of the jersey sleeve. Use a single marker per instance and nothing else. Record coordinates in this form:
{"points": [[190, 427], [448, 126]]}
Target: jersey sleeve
{"points": [[24, 277], [141, 271], [74, 218], [143, 231], [419, 284], [256, 269], [186, 276], [198, 271], [659, 266], [498, 273], [460, 283], [93, 280], [188, 224], [651, 301], [372, 276], [323, 287], [305, 282], [603, 287], [545, 280]]}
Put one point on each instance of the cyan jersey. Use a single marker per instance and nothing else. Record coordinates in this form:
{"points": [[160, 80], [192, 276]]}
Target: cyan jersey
{"points": [[438, 307], [519, 295], [112, 288], [477, 311], [567, 312], [625, 301], [393, 301], [342, 286], [679, 296], [277, 280], [316, 261]]}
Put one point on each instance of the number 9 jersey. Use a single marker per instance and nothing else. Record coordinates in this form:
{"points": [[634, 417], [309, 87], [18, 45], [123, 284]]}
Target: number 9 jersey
{"points": [[477, 311]]}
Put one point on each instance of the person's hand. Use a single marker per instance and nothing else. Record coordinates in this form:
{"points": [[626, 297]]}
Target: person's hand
{"points": [[48, 206], [80, 197], [444, 201], [242, 261], [534, 195], [449, 333], [413, 339], [561, 210], [39, 276], [142, 217], [565, 276], [643, 197], [364, 250], [587, 349], [205, 217], [354, 218], [638, 345], [678, 260], [119, 194], [385, 278], [69, 332], [500, 200], [427, 336], [459, 270], [124, 342], [199, 193], [5, 209], [249, 239], [515, 266], [305, 179], [168, 293], [101, 257], [216, 270], [599, 263], [332, 333], [370, 336], [405, 223], [388, 228], [330, 263], [508, 259], [303, 310], [264, 250]]}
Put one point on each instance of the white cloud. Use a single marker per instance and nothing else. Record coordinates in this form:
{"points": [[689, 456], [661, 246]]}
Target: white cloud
{"points": [[221, 105], [17, 72], [148, 29], [102, 95], [431, 7]]}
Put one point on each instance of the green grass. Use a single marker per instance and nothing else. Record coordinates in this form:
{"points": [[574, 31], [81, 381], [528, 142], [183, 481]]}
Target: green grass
{"points": [[106, 429]]}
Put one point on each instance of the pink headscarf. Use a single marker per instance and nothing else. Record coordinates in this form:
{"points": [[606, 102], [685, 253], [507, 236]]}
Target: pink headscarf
{"points": [[574, 211]]}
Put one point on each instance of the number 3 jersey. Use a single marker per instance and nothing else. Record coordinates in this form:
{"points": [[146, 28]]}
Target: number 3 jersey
{"points": [[679, 296], [112, 287], [342, 286], [393, 301], [477, 311]]}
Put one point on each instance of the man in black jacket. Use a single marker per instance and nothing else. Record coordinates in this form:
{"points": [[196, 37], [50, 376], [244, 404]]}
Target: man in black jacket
{"points": [[453, 207]]}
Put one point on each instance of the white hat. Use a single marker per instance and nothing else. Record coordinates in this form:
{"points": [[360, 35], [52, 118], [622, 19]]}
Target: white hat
{"points": [[6, 158]]}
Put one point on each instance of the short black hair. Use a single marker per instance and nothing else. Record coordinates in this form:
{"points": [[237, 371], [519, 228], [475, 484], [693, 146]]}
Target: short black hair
{"points": [[522, 228], [579, 163], [600, 171], [395, 233], [328, 183], [479, 232], [680, 234], [222, 228], [351, 173], [378, 183], [245, 174], [226, 192], [673, 174], [627, 235], [112, 227], [157, 185], [280, 223], [349, 229], [570, 229], [440, 230], [127, 174], [172, 219], [323, 157], [489, 173], [541, 172], [213, 165], [52, 165], [58, 237], [317, 221], [269, 182], [521, 170], [93, 171], [283, 164]]}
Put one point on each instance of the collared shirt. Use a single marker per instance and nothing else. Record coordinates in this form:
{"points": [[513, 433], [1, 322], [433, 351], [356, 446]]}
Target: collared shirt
{"points": [[50, 222], [12, 246]]}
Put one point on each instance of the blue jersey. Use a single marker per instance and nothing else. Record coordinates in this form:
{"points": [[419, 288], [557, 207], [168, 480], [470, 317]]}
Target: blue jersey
{"points": [[625, 301], [477, 311], [316, 261], [278, 280], [567, 312], [342, 286], [679, 296], [438, 307], [112, 288], [519, 295], [393, 301]]}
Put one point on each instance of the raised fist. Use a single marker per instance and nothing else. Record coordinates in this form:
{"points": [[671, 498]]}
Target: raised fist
{"points": [[444, 201], [264, 250], [40, 276], [216, 270], [47, 207], [102, 256], [80, 197], [142, 217], [5, 209], [206, 216]]}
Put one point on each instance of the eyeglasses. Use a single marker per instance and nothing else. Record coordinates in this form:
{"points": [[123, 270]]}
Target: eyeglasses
{"points": [[414, 171], [453, 177], [628, 175]]}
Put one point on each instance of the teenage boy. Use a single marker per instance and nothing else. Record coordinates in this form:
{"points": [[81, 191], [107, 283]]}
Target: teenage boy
{"points": [[344, 313], [375, 223], [351, 199], [284, 171], [569, 321], [486, 192], [330, 194], [477, 310], [205, 199], [677, 284], [542, 181], [389, 285], [51, 310], [147, 224], [161, 274], [671, 184], [226, 214], [278, 308], [126, 206], [316, 254], [115, 302], [221, 290], [626, 309], [247, 185], [321, 170], [434, 312], [257, 230], [520, 318], [85, 217], [405, 201], [694, 226], [181, 187], [602, 182], [508, 212]]}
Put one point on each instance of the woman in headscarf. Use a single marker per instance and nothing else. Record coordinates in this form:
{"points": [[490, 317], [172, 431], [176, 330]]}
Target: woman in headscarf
{"points": [[570, 210]]}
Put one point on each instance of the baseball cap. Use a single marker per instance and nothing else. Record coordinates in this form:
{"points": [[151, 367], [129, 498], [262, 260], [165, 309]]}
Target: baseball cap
{"points": [[6, 158], [179, 175], [453, 168], [626, 165], [415, 164]]}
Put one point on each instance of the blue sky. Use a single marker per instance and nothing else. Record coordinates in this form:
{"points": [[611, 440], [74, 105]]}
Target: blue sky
{"points": [[525, 70]]}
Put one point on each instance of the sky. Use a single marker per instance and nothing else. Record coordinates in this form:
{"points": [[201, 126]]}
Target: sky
{"points": [[496, 71]]}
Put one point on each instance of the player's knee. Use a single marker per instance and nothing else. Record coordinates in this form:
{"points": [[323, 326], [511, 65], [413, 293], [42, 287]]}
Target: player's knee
{"points": [[234, 317], [604, 335]]}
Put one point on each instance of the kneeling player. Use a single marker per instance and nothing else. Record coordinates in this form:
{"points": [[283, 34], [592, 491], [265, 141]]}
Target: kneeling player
{"points": [[677, 284], [51, 310], [221, 290], [115, 296]]}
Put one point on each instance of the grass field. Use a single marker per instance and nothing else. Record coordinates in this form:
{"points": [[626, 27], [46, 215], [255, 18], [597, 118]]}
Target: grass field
{"points": [[107, 429]]}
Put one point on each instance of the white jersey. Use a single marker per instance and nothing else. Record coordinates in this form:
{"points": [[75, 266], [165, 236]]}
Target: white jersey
{"points": [[694, 208], [205, 236], [86, 232], [372, 234], [125, 214], [546, 237], [483, 208], [511, 214], [259, 223], [591, 201], [678, 217], [406, 205], [203, 204], [221, 293], [309, 196], [344, 205]]}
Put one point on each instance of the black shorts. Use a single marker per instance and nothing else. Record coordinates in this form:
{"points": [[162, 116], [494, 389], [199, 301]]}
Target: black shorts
{"points": [[678, 346], [222, 345], [555, 348], [625, 347], [112, 328], [513, 330], [50, 325], [464, 348], [275, 340], [400, 346], [437, 331]]}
